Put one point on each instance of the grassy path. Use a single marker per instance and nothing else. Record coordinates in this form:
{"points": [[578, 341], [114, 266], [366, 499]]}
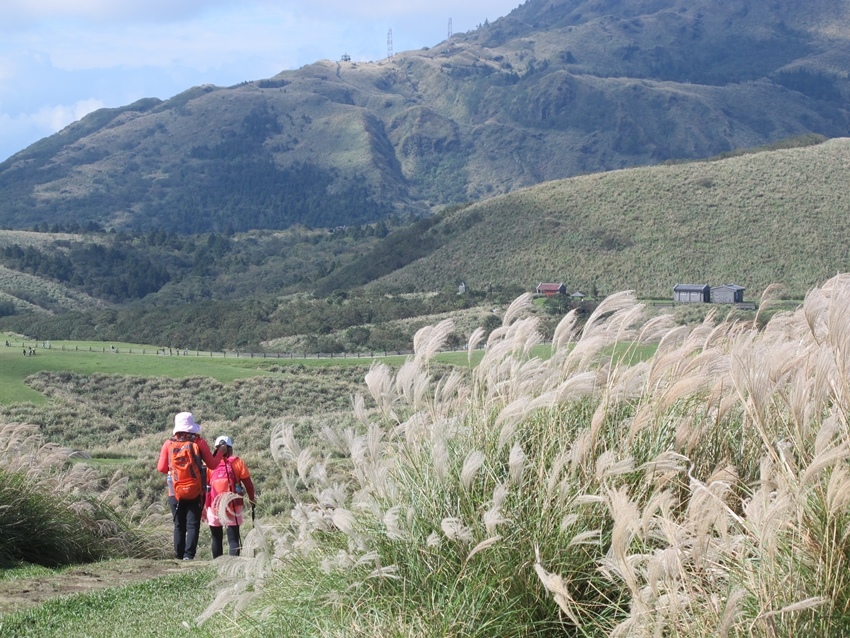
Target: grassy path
{"points": [[111, 599]]}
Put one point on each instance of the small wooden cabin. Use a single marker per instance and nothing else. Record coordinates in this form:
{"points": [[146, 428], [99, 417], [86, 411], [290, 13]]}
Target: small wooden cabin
{"points": [[727, 293], [691, 293]]}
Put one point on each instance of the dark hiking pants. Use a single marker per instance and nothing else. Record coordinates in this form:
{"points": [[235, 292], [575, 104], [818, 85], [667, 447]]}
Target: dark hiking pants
{"points": [[187, 526], [233, 540]]}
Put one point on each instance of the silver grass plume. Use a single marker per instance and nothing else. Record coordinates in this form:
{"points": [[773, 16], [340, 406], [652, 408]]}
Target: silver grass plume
{"points": [[283, 445], [516, 464], [611, 304], [565, 331], [359, 409], [391, 523], [406, 379], [838, 491], [379, 380], [625, 513], [440, 458], [555, 585], [525, 334], [492, 518], [483, 545], [475, 338], [473, 462], [517, 307], [509, 418], [768, 295], [429, 340], [455, 530], [815, 308], [452, 392], [303, 464]]}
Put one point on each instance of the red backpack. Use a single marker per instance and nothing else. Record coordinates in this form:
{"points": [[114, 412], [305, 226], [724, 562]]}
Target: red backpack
{"points": [[186, 470]]}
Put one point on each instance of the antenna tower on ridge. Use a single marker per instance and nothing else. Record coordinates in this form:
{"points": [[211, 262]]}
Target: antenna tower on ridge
{"points": [[390, 43], [450, 29]]}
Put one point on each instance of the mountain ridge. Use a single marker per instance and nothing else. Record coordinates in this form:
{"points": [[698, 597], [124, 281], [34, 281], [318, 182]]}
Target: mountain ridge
{"points": [[552, 90]]}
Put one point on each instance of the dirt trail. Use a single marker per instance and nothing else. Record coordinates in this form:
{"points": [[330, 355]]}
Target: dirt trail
{"points": [[22, 593]]}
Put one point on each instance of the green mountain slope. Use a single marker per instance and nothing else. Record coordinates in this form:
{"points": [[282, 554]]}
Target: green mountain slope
{"points": [[555, 89], [773, 217], [778, 216]]}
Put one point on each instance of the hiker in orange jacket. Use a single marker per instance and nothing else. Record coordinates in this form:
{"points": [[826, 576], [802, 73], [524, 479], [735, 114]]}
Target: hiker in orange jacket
{"points": [[227, 485], [182, 458]]}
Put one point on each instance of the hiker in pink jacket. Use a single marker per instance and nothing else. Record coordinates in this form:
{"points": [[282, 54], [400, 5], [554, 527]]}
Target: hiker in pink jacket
{"points": [[228, 484]]}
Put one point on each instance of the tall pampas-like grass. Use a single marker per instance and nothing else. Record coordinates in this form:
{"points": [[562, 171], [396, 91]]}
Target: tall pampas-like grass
{"points": [[57, 510], [700, 490]]}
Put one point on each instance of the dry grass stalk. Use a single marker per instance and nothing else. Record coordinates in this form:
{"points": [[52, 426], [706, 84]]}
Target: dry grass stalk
{"points": [[473, 462], [556, 586]]}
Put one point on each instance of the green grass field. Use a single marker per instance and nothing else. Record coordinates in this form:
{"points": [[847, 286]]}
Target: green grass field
{"points": [[92, 357], [89, 357], [155, 607]]}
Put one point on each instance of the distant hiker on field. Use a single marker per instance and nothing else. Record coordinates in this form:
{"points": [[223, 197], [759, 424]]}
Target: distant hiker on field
{"points": [[227, 485], [182, 458]]}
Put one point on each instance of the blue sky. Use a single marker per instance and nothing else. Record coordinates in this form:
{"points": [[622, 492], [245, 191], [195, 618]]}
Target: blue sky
{"points": [[62, 59]]}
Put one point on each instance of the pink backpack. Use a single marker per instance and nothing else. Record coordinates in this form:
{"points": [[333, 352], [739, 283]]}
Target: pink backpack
{"points": [[223, 481]]}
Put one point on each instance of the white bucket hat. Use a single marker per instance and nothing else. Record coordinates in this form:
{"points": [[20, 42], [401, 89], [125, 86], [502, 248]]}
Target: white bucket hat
{"points": [[185, 422], [224, 440]]}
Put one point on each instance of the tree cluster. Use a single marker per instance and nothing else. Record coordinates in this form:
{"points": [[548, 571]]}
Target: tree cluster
{"points": [[116, 273]]}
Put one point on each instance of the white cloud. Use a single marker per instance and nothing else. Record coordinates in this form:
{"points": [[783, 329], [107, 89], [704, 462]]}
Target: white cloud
{"points": [[55, 118], [19, 131]]}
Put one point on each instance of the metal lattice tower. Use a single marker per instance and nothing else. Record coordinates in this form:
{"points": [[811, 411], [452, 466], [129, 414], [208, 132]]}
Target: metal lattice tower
{"points": [[450, 30], [390, 43]]}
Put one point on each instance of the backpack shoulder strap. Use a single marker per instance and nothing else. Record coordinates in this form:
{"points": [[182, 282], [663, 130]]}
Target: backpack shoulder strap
{"points": [[226, 466], [202, 469]]}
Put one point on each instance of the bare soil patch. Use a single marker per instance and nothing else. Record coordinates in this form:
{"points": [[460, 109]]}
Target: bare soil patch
{"points": [[18, 594]]}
